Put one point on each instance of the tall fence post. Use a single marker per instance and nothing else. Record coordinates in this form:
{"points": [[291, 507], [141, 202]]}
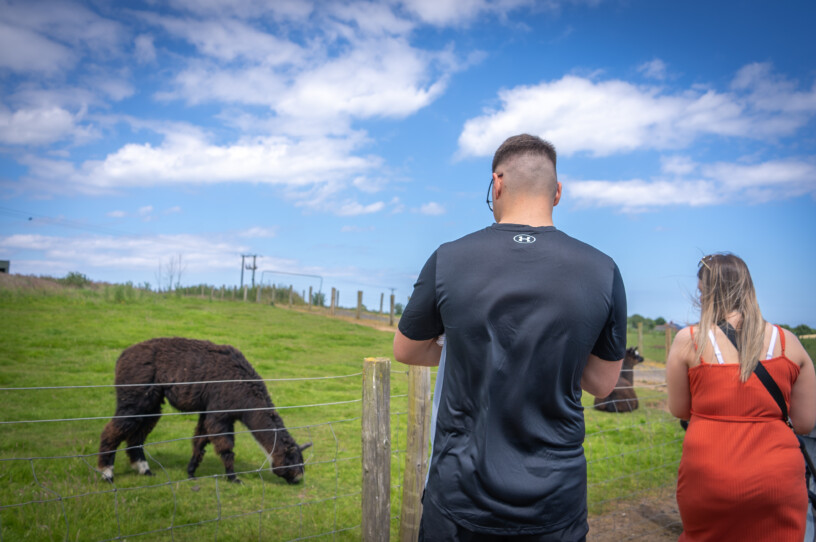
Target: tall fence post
{"points": [[331, 308], [310, 298], [290, 295], [382, 296], [376, 426], [359, 304], [640, 338], [391, 314], [416, 453], [245, 292]]}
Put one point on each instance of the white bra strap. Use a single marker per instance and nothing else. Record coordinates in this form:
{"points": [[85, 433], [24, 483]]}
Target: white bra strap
{"points": [[774, 336], [716, 348]]}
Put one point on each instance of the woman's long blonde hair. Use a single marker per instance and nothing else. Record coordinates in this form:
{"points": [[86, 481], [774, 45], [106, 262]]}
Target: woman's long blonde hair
{"points": [[725, 287]]}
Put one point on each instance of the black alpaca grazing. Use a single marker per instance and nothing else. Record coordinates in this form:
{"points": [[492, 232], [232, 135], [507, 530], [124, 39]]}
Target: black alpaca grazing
{"points": [[163, 365], [623, 397]]}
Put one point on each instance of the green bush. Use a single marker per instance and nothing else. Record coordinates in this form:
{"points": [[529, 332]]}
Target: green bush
{"points": [[75, 279]]}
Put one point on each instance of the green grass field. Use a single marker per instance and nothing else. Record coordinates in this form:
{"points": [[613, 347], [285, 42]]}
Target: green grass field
{"points": [[49, 489]]}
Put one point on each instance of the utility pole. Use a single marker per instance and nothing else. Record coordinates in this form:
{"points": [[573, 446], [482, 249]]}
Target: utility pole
{"points": [[252, 267]]}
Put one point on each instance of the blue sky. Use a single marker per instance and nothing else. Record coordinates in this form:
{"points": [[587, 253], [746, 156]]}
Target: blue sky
{"points": [[348, 140]]}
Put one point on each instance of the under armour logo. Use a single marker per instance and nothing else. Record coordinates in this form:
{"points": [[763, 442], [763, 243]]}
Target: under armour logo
{"points": [[524, 239]]}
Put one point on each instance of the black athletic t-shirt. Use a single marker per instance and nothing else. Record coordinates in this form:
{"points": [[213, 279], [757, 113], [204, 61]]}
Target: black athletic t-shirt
{"points": [[521, 308]]}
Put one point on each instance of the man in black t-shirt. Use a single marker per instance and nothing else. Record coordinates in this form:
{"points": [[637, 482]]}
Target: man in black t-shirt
{"points": [[530, 317]]}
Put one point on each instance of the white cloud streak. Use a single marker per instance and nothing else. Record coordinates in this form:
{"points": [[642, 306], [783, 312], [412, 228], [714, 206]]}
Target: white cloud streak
{"points": [[611, 117], [688, 184]]}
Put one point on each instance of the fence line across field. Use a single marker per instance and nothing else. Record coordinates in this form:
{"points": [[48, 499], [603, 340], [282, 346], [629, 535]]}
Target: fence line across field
{"points": [[151, 384], [621, 465]]}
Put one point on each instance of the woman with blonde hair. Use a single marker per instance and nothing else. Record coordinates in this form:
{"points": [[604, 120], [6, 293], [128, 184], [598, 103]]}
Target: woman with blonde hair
{"points": [[742, 474]]}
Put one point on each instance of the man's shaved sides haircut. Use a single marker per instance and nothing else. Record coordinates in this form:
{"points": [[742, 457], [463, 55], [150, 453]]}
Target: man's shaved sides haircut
{"points": [[522, 157]]}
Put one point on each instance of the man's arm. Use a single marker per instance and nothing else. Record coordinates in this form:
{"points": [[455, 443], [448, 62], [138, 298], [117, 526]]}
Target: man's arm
{"points": [[600, 376], [410, 352]]}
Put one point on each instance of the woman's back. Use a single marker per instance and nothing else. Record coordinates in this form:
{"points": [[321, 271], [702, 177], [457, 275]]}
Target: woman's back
{"points": [[741, 475]]}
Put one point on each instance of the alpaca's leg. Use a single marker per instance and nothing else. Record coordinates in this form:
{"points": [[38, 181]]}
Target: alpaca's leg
{"points": [[223, 442], [135, 442], [129, 401], [199, 443], [112, 436]]}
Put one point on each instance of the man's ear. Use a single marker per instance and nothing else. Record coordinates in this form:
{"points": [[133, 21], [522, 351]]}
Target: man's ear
{"points": [[557, 194]]}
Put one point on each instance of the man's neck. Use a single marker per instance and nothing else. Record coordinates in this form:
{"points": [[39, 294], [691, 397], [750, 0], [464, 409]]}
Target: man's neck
{"points": [[534, 219]]}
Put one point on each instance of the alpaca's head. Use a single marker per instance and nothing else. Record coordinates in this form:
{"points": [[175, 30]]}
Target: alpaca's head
{"points": [[289, 464]]}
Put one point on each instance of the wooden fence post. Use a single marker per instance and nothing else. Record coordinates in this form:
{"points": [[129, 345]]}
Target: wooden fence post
{"points": [[668, 340], [290, 295], [331, 308], [391, 314], [416, 453], [382, 296], [258, 294], [376, 431], [245, 292], [359, 304], [640, 338], [310, 298]]}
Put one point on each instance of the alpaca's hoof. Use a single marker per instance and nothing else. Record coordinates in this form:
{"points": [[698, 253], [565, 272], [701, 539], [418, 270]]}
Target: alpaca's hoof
{"points": [[235, 481], [148, 472], [107, 474]]}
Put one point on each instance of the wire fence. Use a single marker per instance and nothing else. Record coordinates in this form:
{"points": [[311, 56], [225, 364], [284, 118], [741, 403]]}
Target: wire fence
{"points": [[632, 461]]}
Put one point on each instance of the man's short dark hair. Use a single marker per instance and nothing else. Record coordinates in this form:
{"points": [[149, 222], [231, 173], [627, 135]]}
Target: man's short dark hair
{"points": [[523, 144]]}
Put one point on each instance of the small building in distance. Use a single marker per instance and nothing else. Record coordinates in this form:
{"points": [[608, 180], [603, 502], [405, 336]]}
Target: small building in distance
{"points": [[4, 266], [670, 325]]}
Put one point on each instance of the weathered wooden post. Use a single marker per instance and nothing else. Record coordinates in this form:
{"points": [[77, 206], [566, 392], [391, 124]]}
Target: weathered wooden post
{"points": [[258, 294], [640, 338], [290, 295], [331, 308], [359, 304], [382, 297], [310, 298], [376, 431], [245, 292], [416, 453], [391, 314]]}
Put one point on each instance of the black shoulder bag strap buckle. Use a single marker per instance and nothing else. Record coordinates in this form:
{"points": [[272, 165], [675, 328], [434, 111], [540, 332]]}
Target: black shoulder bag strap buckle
{"points": [[770, 384]]}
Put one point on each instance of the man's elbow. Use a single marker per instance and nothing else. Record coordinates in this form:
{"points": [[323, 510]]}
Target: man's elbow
{"points": [[598, 389]]}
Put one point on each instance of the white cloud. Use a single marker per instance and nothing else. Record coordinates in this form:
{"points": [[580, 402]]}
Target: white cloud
{"points": [[200, 253], [187, 157], [258, 233], [117, 214], [431, 208], [22, 50], [654, 69], [677, 165], [36, 126], [229, 39], [354, 208], [459, 12], [143, 49], [608, 117], [714, 184]]}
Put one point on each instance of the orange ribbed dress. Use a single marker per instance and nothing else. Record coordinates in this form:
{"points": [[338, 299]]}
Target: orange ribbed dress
{"points": [[741, 475]]}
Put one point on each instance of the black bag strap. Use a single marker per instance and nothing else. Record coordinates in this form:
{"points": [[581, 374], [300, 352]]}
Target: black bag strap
{"points": [[770, 384]]}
